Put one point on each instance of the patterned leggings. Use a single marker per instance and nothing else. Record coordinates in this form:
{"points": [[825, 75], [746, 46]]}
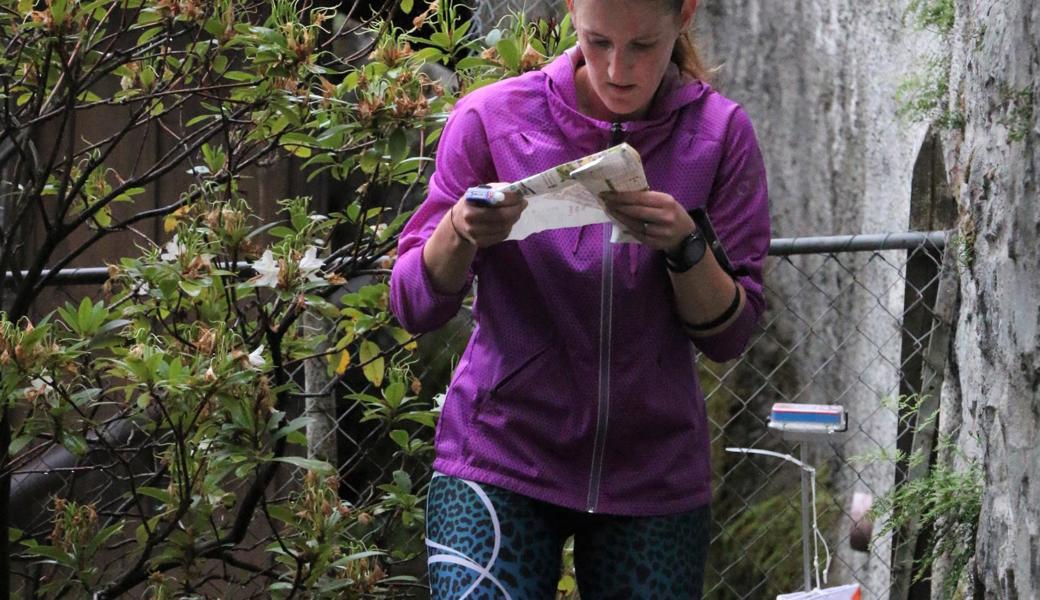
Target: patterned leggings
{"points": [[487, 543]]}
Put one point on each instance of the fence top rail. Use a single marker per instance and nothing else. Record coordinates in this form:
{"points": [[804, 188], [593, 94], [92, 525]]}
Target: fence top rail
{"points": [[863, 242]]}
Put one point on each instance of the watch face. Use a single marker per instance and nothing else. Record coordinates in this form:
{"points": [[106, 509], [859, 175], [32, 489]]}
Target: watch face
{"points": [[693, 249], [690, 252]]}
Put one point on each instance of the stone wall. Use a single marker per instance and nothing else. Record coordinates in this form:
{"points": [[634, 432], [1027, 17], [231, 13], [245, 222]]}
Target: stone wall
{"points": [[996, 62], [820, 79]]}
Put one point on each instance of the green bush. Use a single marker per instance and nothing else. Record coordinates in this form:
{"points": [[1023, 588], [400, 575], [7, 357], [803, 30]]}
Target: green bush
{"points": [[195, 343]]}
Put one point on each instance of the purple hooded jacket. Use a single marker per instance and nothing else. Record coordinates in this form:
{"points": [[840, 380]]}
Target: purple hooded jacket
{"points": [[578, 386]]}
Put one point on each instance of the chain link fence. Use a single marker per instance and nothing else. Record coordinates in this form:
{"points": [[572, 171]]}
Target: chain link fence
{"points": [[488, 15], [857, 321]]}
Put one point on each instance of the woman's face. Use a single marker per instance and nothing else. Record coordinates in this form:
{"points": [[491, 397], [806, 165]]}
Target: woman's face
{"points": [[627, 46]]}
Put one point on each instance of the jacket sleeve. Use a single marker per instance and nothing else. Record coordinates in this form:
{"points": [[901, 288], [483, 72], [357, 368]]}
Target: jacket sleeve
{"points": [[739, 211], [463, 160]]}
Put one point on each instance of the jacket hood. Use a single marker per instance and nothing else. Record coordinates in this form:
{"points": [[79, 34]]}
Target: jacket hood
{"points": [[676, 91]]}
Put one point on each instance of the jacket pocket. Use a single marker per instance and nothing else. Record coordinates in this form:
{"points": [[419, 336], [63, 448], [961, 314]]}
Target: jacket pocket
{"points": [[530, 423], [529, 390]]}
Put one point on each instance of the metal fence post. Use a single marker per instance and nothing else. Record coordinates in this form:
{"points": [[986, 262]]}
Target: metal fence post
{"points": [[320, 404], [806, 517]]}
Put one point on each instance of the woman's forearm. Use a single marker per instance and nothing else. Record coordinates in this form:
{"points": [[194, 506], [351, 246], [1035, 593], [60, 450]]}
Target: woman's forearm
{"points": [[447, 257], [704, 293]]}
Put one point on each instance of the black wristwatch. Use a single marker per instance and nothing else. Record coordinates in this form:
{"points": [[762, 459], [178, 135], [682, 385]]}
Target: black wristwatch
{"points": [[690, 252]]}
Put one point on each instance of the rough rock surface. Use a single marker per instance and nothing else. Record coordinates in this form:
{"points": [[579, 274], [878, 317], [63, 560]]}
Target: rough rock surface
{"points": [[819, 78], [997, 61]]}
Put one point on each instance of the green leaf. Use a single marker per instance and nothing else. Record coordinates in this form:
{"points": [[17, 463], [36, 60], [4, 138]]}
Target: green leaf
{"points": [[374, 366], [102, 536], [282, 513], [429, 55], [85, 396], [56, 554], [148, 34], [88, 96], [423, 418], [281, 231], [471, 62], [358, 556], [74, 442], [336, 585], [239, 76], [403, 480], [318, 466], [294, 425], [369, 162], [190, 288], [441, 40], [297, 138], [397, 146], [141, 535], [18, 443], [196, 120], [406, 6], [404, 338], [394, 393], [510, 53], [158, 494], [214, 27], [400, 437], [58, 10]]}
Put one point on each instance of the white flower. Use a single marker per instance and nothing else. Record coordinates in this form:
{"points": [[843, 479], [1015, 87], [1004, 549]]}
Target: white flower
{"points": [[266, 270], [256, 357], [37, 387], [310, 264], [174, 249], [40, 386]]}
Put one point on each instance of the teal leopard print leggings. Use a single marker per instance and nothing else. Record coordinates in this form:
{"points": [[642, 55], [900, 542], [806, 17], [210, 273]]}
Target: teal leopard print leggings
{"points": [[486, 543]]}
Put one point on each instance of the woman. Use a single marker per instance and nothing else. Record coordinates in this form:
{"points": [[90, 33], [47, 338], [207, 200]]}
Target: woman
{"points": [[575, 409]]}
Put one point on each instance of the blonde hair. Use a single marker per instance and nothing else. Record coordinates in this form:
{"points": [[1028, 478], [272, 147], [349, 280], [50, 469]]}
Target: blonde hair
{"points": [[685, 54], [687, 58]]}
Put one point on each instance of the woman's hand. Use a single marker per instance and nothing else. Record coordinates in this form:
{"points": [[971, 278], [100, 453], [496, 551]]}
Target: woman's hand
{"points": [[484, 226], [654, 218]]}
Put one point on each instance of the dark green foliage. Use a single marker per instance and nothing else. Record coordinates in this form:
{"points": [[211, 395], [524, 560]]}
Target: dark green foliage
{"points": [[945, 501], [939, 15]]}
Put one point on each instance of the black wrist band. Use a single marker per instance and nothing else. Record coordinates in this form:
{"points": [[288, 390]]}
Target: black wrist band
{"points": [[725, 316]]}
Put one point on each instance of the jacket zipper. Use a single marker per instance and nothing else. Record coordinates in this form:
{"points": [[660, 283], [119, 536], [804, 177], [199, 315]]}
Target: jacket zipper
{"points": [[617, 135]]}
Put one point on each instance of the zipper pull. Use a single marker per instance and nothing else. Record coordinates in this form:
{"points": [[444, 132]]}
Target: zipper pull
{"points": [[617, 134]]}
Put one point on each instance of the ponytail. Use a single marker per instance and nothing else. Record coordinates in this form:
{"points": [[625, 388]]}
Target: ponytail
{"points": [[689, 61]]}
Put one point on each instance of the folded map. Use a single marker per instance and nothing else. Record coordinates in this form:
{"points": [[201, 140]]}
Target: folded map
{"points": [[568, 195]]}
